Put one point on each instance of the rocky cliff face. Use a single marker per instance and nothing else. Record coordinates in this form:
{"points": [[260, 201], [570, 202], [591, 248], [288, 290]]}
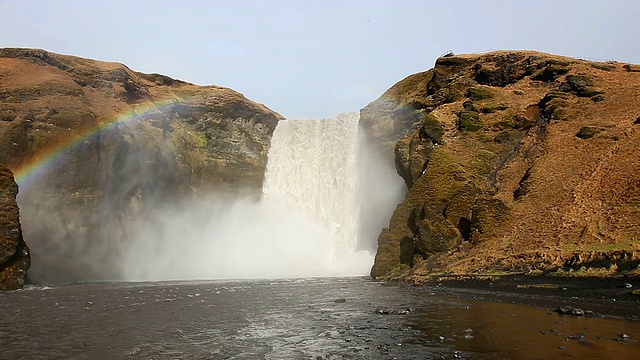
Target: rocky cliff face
{"points": [[515, 162], [96, 146], [14, 253]]}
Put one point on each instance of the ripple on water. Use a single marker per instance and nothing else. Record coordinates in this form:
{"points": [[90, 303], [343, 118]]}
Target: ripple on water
{"points": [[292, 319]]}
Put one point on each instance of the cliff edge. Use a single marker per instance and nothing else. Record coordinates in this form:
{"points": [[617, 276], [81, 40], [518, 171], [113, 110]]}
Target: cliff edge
{"points": [[14, 253], [515, 162]]}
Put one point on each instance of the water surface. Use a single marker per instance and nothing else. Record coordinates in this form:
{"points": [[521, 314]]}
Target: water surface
{"points": [[292, 319]]}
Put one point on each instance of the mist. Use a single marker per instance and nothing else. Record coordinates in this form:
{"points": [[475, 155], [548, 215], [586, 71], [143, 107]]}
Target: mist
{"points": [[380, 190], [236, 239], [327, 195]]}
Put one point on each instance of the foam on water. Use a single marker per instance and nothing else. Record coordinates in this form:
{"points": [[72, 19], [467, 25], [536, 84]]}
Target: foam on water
{"points": [[34, 288]]}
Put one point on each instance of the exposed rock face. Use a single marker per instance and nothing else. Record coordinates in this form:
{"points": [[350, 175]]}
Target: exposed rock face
{"points": [[515, 161], [159, 139], [14, 253]]}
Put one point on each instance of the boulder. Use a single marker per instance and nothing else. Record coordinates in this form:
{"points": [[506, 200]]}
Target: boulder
{"points": [[587, 132], [582, 85]]}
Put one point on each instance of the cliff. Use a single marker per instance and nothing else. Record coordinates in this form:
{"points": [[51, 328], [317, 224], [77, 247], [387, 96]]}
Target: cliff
{"points": [[14, 253], [96, 146], [515, 162]]}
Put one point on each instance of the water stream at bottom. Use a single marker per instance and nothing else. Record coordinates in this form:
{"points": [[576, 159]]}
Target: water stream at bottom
{"points": [[321, 318]]}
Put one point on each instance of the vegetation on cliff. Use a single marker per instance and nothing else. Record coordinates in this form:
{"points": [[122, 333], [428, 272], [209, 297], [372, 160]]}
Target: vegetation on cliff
{"points": [[515, 162]]}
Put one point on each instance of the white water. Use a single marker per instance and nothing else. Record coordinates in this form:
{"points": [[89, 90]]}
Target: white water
{"points": [[313, 169], [306, 224]]}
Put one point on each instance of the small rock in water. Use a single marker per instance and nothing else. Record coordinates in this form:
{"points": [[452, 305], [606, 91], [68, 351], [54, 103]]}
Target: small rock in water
{"points": [[340, 301], [568, 310], [578, 336], [382, 311], [387, 311], [133, 352], [406, 311], [563, 310], [578, 312]]}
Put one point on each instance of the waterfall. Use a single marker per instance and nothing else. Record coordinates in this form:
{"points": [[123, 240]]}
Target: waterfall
{"points": [[312, 168], [324, 190]]}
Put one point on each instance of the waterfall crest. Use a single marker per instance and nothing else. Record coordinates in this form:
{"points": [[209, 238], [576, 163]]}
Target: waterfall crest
{"points": [[312, 167]]}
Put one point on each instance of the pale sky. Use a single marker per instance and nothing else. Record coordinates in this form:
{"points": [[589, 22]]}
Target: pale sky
{"points": [[312, 58]]}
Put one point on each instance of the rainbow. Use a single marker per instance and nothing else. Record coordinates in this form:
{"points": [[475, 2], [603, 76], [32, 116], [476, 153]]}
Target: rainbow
{"points": [[44, 161]]}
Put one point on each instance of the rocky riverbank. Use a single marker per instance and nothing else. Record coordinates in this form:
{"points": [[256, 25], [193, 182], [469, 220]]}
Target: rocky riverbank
{"points": [[616, 297]]}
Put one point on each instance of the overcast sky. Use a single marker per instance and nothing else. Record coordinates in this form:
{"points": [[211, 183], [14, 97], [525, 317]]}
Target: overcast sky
{"points": [[313, 59]]}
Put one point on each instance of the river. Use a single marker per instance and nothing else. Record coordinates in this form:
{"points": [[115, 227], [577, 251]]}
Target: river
{"points": [[318, 318]]}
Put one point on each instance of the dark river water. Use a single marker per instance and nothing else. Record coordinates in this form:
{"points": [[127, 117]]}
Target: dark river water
{"points": [[327, 318]]}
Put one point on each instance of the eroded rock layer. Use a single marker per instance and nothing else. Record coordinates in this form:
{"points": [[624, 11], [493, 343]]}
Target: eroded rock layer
{"points": [[515, 162], [96, 146]]}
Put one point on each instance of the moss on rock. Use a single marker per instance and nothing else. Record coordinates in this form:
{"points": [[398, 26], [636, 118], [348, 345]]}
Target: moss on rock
{"points": [[582, 85], [553, 105], [551, 73], [469, 121], [432, 129], [488, 215], [587, 132], [478, 93]]}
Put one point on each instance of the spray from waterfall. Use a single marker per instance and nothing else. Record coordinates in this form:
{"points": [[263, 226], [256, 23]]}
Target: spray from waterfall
{"points": [[307, 223]]}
